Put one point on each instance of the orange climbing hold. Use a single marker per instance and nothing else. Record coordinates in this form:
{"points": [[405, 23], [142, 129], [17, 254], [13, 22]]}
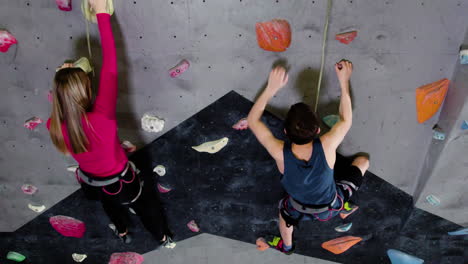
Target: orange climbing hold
{"points": [[429, 98], [274, 35], [261, 243], [341, 244]]}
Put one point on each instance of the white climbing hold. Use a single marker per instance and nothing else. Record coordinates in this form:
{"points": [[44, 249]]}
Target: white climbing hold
{"points": [[90, 14], [32, 123], [163, 189], [79, 257], [343, 228], [160, 170], [29, 189], [72, 168], [193, 226], [83, 63], [212, 146], [131, 210], [36, 209], [151, 123]]}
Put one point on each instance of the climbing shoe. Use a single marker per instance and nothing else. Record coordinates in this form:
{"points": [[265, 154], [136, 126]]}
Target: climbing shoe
{"points": [[126, 239], [168, 243], [277, 243]]}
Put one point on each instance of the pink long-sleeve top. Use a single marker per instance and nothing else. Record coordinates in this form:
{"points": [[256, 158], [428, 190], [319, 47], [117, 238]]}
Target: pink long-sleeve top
{"points": [[105, 156]]}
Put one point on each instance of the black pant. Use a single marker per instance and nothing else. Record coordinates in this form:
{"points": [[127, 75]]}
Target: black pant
{"points": [[148, 206]]}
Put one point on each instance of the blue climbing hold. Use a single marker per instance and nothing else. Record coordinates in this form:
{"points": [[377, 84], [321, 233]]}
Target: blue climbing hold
{"points": [[464, 125], [460, 232], [438, 135], [343, 228], [398, 257], [464, 56], [331, 120]]}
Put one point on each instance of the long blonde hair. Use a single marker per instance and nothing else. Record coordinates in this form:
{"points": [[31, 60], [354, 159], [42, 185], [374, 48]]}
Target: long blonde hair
{"points": [[72, 98]]}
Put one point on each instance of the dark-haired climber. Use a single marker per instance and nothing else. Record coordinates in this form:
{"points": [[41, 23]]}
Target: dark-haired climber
{"points": [[87, 130], [305, 160]]}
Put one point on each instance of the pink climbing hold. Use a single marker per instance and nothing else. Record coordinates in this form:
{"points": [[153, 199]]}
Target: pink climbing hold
{"points": [[163, 189], [68, 226], [29, 189], [193, 226], [241, 124], [126, 258], [50, 97], [32, 123], [179, 68], [6, 40], [64, 5]]}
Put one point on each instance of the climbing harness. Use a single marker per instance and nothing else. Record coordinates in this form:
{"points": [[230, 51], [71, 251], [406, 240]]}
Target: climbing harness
{"points": [[324, 45], [96, 182], [312, 209]]}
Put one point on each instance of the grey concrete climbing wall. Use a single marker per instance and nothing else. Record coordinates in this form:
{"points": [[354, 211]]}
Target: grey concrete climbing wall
{"points": [[400, 45], [444, 173]]}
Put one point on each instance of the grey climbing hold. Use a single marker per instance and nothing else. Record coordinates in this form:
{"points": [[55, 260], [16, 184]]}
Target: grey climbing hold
{"points": [[331, 120], [433, 200], [343, 228], [398, 257], [15, 256], [460, 232]]}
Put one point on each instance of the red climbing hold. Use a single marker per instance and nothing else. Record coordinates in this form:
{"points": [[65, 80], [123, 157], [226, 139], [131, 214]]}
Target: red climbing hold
{"points": [[64, 5], [68, 226], [126, 258], [346, 37], [429, 98], [32, 123], [163, 189], [341, 244], [241, 124], [180, 68], [274, 35], [6, 40]]}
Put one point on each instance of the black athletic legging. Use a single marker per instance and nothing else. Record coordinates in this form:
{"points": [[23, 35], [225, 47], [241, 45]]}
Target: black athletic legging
{"points": [[147, 206]]}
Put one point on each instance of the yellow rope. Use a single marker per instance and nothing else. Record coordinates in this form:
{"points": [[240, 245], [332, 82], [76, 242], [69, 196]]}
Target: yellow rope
{"points": [[324, 45]]}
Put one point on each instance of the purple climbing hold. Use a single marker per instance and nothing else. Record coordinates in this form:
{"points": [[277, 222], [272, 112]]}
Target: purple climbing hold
{"points": [[68, 226], [126, 258], [398, 257]]}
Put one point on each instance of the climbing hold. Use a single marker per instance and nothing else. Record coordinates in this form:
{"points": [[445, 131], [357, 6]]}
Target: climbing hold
{"points": [[126, 258], [349, 209], [29, 189], [261, 243], [83, 63], [15, 256], [241, 124], [433, 200], [151, 123], [68, 226], [64, 5], [460, 232], [6, 40], [36, 209], [50, 97], [193, 226], [429, 98], [160, 170], [437, 133], [32, 123], [340, 244], [90, 15], [180, 68], [331, 120], [128, 146], [346, 37], [464, 125], [398, 257], [343, 228], [163, 189], [79, 257], [464, 56], [212, 146], [131, 210], [72, 168], [274, 35]]}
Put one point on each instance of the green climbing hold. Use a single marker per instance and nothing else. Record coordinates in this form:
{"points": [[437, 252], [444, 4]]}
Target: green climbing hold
{"points": [[274, 242], [15, 256], [331, 120]]}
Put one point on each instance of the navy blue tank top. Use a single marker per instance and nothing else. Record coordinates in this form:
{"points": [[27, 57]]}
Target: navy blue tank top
{"points": [[308, 182]]}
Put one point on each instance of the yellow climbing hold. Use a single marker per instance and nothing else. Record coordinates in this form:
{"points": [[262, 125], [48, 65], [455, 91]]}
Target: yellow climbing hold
{"points": [[212, 146], [83, 63], [90, 14]]}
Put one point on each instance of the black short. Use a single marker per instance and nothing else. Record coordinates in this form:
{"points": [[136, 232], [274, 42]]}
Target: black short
{"points": [[348, 179]]}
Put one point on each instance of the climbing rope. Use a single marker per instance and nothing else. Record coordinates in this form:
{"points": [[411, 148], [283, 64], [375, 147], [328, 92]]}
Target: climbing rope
{"points": [[86, 3], [324, 45]]}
